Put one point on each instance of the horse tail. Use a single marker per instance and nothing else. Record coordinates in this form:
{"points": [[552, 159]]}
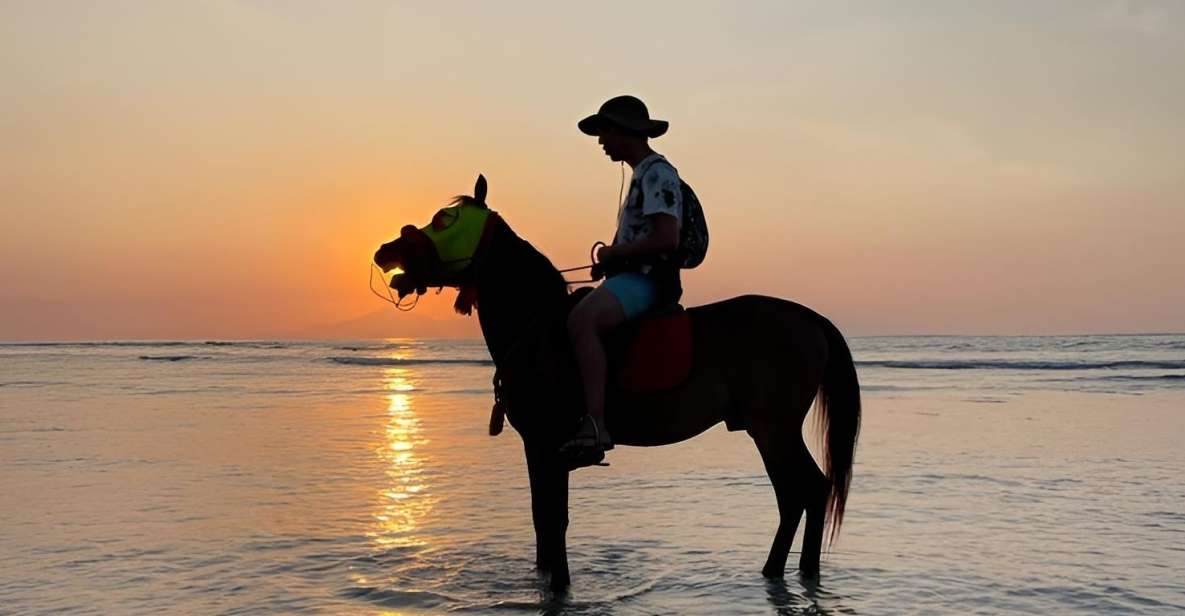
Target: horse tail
{"points": [[839, 421]]}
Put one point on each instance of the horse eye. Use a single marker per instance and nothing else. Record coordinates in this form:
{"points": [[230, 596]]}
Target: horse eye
{"points": [[444, 218]]}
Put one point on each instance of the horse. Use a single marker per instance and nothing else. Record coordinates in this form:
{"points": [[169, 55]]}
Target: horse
{"points": [[757, 362]]}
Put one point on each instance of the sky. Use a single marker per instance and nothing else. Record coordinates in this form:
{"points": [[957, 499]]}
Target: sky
{"points": [[226, 169]]}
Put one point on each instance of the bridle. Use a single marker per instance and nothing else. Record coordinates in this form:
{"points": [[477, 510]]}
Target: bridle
{"points": [[465, 278]]}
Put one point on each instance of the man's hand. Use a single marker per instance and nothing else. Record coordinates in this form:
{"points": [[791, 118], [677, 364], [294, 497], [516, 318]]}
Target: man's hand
{"points": [[604, 255]]}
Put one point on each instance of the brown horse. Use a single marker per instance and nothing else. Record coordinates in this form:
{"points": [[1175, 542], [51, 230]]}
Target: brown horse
{"points": [[758, 363]]}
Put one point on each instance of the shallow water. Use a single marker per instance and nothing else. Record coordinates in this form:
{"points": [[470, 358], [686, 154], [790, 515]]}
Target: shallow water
{"points": [[994, 476]]}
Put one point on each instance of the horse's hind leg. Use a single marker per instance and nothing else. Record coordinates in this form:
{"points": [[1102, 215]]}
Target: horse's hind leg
{"points": [[815, 493], [797, 483], [780, 468], [791, 471]]}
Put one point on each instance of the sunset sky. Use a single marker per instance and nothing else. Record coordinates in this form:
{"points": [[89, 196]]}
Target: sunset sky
{"points": [[225, 169]]}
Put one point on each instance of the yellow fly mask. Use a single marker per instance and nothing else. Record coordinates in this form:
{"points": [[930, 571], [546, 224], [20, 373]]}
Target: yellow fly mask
{"points": [[456, 232]]}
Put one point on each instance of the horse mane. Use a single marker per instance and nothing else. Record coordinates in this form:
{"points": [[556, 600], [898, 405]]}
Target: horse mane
{"points": [[518, 264], [467, 200], [516, 284], [513, 285]]}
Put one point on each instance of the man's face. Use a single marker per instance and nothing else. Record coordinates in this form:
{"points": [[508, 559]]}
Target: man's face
{"points": [[613, 142]]}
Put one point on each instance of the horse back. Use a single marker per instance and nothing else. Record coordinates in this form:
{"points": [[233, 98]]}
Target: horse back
{"points": [[753, 359]]}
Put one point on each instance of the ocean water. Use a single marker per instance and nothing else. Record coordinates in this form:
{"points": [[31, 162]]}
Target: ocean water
{"points": [[996, 475]]}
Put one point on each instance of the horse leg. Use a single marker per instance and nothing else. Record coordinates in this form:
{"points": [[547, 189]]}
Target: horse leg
{"points": [[799, 486], [780, 466], [816, 491], [538, 516], [555, 512], [549, 510]]}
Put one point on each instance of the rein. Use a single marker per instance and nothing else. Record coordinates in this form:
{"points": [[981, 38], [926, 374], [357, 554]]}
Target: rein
{"points": [[402, 306], [592, 257], [390, 299]]}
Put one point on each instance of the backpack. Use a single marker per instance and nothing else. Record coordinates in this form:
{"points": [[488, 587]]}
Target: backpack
{"points": [[693, 228]]}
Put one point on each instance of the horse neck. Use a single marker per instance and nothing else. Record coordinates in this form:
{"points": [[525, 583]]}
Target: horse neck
{"points": [[516, 285]]}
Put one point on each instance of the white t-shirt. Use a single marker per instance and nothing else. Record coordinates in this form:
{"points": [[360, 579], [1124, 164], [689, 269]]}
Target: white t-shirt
{"points": [[660, 185]]}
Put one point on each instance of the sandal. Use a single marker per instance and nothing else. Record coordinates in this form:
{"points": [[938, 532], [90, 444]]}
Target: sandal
{"points": [[584, 449]]}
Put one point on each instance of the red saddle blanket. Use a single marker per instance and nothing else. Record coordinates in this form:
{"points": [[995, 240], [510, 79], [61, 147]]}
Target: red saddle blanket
{"points": [[656, 354]]}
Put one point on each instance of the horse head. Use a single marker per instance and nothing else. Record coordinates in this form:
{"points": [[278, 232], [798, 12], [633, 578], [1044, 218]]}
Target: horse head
{"points": [[443, 252]]}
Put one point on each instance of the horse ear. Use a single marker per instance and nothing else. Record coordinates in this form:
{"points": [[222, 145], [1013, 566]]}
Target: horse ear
{"points": [[479, 190]]}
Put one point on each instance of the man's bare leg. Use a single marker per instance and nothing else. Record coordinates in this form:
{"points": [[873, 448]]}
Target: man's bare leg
{"points": [[596, 315]]}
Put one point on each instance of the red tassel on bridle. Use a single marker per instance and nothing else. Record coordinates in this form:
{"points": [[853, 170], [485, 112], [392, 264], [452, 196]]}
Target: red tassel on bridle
{"points": [[467, 293], [466, 299]]}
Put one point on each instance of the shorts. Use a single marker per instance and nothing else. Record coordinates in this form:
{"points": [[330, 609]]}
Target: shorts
{"points": [[635, 291]]}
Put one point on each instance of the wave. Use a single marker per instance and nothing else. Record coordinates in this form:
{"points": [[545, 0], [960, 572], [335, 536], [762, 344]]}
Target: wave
{"points": [[1077, 344], [248, 345], [1156, 377], [1024, 365], [866, 387], [397, 598], [115, 343], [395, 361], [167, 357], [253, 344], [370, 347], [35, 383]]}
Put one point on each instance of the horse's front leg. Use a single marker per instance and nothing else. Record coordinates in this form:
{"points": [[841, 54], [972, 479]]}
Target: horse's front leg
{"points": [[549, 511], [538, 516]]}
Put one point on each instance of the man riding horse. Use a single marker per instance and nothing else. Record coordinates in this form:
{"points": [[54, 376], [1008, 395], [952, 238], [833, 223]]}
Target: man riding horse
{"points": [[639, 267]]}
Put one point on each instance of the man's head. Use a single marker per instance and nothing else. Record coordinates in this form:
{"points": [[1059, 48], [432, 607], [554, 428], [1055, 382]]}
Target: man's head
{"points": [[622, 127], [621, 144]]}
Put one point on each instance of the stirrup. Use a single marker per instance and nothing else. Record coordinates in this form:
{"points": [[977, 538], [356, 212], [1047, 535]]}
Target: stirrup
{"points": [[578, 454]]}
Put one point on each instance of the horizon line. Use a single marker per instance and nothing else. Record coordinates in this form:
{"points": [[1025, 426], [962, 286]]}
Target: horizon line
{"points": [[7, 342]]}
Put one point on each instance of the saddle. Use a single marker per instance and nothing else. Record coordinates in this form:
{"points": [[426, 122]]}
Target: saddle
{"points": [[652, 353]]}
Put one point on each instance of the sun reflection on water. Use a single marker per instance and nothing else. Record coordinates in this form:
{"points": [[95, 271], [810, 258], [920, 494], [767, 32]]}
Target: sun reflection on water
{"points": [[405, 498]]}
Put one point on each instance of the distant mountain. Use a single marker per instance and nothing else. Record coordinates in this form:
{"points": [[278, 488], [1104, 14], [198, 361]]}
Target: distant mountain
{"points": [[390, 323]]}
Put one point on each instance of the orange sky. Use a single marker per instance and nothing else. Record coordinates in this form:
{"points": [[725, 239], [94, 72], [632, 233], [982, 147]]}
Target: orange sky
{"points": [[226, 169]]}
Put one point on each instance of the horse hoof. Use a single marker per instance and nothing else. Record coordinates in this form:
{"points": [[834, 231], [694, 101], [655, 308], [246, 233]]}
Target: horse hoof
{"points": [[773, 573]]}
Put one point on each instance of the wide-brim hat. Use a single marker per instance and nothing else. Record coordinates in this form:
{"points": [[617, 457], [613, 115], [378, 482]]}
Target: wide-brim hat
{"points": [[624, 112]]}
